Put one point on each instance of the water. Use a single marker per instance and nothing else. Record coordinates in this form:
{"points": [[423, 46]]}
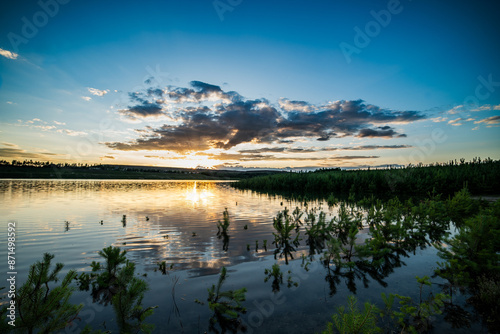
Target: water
{"points": [[175, 221]]}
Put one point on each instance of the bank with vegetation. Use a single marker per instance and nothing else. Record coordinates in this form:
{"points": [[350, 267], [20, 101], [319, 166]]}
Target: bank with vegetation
{"points": [[481, 177]]}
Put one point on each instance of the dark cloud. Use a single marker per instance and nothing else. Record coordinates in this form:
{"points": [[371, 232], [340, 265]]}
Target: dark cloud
{"points": [[203, 87], [322, 149], [145, 109], [384, 132], [269, 157], [200, 92], [207, 117], [9, 153]]}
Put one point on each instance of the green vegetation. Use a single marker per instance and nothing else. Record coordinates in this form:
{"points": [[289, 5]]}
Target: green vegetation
{"points": [[410, 317], [481, 176], [354, 321], [115, 283], [286, 227], [222, 230], [277, 276], [42, 308], [48, 170], [226, 305]]}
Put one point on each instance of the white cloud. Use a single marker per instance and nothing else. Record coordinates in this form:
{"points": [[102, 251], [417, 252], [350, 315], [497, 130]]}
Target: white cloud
{"points": [[8, 54], [472, 108], [98, 92], [86, 98], [439, 119], [490, 120], [456, 110], [73, 133], [456, 122]]}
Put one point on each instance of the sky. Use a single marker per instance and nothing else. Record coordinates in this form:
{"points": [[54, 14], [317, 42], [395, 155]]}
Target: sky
{"points": [[249, 84]]}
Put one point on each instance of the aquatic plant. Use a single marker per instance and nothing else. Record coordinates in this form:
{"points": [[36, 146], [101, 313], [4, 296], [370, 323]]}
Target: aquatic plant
{"points": [[317, 233], [276, 274], [222, 230], [162, 267], [43, 308], [476, 246], [114, 258], [223, 226], [115, 283], [415, 316], [127, 302], [331, 200], [354, 321], [283, 239], [226, 305]]}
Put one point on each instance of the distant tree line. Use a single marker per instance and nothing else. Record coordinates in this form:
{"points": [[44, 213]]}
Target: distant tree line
{"points": [[479, 176], [31, 163]]}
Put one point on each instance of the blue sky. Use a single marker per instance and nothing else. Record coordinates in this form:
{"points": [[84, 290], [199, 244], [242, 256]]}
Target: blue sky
{"points": [[239, 83]]}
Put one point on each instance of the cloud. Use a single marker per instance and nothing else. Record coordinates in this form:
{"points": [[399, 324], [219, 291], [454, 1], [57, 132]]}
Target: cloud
{"points": [[145, 109], [384, 132], [490, 120], [86, 98], [18, 153], [203, 116], [97, 92], [287, 105], [8, 54], [72, 133], [472, 108], [271, 157], [107, 157], [456, 122], [323, 149], [439, 119], [9, 144]]}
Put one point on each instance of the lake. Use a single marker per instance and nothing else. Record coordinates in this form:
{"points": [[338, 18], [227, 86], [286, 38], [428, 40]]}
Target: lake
{"points": [[176, 222]]}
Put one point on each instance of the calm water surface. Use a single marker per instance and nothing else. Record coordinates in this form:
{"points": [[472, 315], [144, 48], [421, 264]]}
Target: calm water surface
{"points": [[175, 221]]}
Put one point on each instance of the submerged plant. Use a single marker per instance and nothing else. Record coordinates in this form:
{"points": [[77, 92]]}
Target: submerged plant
{"points": [[276, 274], [283, 237], [352, 320], [114, 258], [43, 308], [226, 305], [414, 316], [115, 283], [127, 302], [223, 226], [222, 230]]}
